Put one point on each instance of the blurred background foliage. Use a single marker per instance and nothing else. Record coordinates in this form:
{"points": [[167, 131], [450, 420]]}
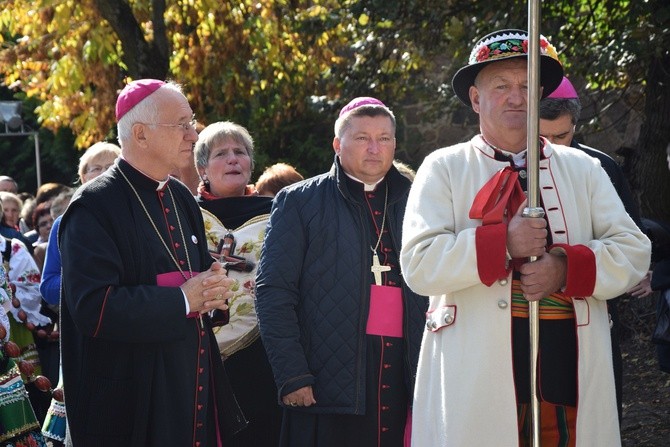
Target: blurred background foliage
{"points": [[282, 68]]}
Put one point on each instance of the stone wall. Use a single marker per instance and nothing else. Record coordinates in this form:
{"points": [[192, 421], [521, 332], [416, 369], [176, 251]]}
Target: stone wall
{"points": [[604, 128]]}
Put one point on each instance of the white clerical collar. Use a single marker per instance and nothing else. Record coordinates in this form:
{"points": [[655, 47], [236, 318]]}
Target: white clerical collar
{"points": [[366, 186], [161, 183]]}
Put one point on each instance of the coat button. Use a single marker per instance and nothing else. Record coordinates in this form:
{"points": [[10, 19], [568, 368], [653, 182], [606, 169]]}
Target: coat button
{"points": [[523, 173], [448, 318], [502, 282], [502, 304]]}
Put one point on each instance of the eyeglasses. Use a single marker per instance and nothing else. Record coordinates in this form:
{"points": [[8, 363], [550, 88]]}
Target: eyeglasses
{"points": [[191, 125], [97, 169]]}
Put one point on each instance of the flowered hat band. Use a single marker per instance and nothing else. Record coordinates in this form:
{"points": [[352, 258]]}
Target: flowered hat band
{"points": [[507, 45]]}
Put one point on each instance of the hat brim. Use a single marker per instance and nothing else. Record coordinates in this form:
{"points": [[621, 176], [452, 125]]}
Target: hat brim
{"points": [[551, 75]]}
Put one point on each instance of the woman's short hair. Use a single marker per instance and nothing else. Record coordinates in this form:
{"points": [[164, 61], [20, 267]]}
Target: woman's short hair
{"points": [[48, 191], [276, 177], [405, 169], [218, 132], [43, 209], [100, 148], [6, 196]]}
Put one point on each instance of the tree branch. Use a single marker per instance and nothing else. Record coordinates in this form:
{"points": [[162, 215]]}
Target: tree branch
{"points": [[143, 59]]}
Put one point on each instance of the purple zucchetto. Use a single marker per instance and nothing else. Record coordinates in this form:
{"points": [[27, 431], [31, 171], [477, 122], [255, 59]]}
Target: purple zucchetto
{"points": [[133, 93], [360, 102], [565, 90]]}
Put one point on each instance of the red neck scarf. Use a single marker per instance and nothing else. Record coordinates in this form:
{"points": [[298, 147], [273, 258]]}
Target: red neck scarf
{"points": [[501, 195], [203, 190]]}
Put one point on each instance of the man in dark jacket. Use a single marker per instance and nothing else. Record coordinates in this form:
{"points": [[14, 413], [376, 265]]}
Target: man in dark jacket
{"points": [[140, 362], [559, 114], [341, 328]]}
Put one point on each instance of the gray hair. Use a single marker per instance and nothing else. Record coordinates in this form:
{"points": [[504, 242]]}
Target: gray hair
{"points": [[143, 112], [371, 110], [554, 108], [6, 178], [218, 132], [10, 196]]}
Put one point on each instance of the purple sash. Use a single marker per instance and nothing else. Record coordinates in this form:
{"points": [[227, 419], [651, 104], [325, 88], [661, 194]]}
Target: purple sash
{"points": [[386, 311], [174, 279]]}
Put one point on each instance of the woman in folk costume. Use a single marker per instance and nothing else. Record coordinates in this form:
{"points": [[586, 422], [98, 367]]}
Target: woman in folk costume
{"points": [[18, 424], [25, 311], [235, 218], [466, 244], [24, 277]]}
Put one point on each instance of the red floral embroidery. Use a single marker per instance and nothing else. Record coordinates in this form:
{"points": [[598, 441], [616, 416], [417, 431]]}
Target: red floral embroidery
{"points": [[483, 53], [249, 285]]}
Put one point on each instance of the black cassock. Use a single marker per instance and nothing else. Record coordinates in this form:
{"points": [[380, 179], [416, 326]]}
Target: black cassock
{"points": [[137, 371]]}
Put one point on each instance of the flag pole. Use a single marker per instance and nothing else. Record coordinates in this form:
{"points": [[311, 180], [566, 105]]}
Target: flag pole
{"points": [[534, 209]]}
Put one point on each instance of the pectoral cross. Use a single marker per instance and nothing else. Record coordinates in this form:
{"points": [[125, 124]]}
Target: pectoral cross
{"points": [[377, 269]]}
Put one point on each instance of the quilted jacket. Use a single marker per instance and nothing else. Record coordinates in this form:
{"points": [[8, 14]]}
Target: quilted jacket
{"points": [[313, 290]]}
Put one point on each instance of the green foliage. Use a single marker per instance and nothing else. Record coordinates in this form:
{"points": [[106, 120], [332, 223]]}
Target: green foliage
{"points": [[57, 155], [283, 68]]}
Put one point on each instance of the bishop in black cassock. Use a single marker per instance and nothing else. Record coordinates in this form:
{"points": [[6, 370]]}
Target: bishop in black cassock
{"points": [[141, 365]]}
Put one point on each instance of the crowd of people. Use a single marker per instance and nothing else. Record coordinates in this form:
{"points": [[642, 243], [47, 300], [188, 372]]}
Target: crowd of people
{"points": [[35, 266], [176, 302]]}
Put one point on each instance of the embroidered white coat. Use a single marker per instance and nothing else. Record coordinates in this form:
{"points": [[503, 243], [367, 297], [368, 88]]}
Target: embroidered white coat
{"points": [[464, 393]]}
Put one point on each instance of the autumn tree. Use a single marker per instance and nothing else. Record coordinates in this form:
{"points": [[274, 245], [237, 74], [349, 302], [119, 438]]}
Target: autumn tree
{"points": [[282, 68], [622, 48], [274, 66]]}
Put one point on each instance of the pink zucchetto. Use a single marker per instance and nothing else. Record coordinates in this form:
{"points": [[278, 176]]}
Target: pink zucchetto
{"points": [[565, 90], [360, 102], [133, 93]]}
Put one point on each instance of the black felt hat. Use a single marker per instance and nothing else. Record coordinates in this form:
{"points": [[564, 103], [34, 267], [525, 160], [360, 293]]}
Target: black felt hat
{"points": [[502, 45]]}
